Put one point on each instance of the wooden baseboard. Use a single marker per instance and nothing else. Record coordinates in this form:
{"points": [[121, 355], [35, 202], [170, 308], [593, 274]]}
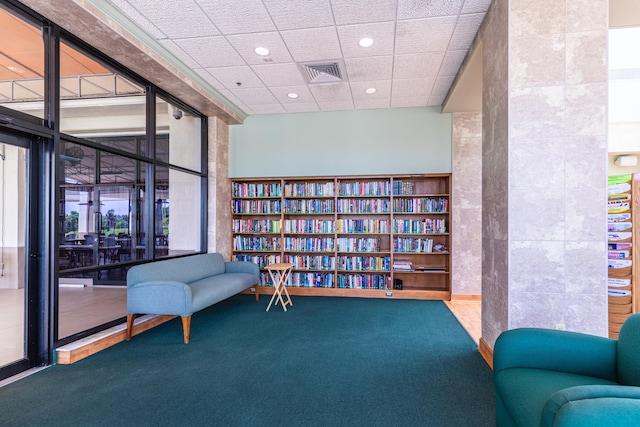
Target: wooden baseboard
{"points": [[85, 347], [466, 297], [486, 352]]}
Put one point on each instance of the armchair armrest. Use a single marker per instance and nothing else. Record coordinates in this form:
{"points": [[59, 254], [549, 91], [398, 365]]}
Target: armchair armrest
{"points": [[159, 297], [563, 351], [593, 405], [241, 267]]}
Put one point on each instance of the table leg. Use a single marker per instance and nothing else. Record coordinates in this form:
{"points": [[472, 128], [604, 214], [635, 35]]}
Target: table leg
{"points": [[279, 279]]}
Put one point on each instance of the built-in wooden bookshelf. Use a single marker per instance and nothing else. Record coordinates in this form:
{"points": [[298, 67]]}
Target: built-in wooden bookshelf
{"points": [[622, 207], [365, 236]]}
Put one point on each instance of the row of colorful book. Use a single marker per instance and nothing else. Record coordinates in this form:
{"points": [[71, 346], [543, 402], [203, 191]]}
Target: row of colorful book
{"points": [[256, 189], [420, 205], [426, 226], [309, 189]]}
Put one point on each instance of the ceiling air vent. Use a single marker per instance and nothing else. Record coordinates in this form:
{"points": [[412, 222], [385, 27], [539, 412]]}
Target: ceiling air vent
{"points": [[322, 72]]}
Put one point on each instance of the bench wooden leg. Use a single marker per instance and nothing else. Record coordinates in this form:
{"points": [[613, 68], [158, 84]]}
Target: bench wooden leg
{"points": [[130, 319], [186, 328]]}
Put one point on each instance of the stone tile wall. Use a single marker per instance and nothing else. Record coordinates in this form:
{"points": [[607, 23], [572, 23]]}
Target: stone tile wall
{"points": [[466, 206], [544, 166], [219, 196]]}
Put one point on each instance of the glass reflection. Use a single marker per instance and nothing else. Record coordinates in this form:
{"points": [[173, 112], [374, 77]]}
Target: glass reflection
{"points": [[99, 104], [178, 136], [21, 65], [177, 231], [102, 200]]}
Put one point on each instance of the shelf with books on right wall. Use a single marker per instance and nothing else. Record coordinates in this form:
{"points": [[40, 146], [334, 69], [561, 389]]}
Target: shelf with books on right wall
{"points": [[622, 199]]}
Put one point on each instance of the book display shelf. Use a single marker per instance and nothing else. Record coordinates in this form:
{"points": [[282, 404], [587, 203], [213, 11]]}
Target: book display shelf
{"points": [[366, 236], [622, 207]]}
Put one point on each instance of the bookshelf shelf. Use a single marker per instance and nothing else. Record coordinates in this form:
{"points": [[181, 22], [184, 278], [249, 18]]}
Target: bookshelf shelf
{"points": [[345, 234]]}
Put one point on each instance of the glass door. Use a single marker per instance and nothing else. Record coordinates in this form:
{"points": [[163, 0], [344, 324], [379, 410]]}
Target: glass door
{"points": [[14, 259]]}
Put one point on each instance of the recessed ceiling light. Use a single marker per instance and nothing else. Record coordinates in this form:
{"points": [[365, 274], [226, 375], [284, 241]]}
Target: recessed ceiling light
{"points": [[262, 51], [292, 95], [370, 90], [366, 42]]}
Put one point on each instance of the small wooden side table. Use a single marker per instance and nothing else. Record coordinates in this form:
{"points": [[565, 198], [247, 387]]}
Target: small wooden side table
{"points": [[279, 273]]}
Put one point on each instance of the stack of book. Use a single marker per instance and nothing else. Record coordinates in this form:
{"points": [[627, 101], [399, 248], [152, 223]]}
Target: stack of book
{"points": [[399, 265]]}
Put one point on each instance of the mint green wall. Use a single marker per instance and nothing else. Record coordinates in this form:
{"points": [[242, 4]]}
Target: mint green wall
{"points": [[361, 142]]}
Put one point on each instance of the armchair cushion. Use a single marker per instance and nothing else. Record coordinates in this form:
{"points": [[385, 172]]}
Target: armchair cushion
{"points": [[593, 405], [525, 391]]}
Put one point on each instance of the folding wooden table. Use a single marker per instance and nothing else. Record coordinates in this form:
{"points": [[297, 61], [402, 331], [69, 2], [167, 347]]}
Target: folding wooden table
{"points": [[279, 273]]}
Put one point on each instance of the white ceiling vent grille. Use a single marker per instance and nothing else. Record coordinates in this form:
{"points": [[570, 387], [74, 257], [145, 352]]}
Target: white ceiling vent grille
{"points": [[322, 72]]}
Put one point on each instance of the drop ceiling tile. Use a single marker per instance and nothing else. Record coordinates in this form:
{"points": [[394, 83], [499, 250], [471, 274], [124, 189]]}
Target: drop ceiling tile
{"points": [[231, 76], [304, 94], [424, 35], [473, 6], [235, 101], [370, 104], [200, 50], [181, 19], [442, 85], [314, 44], [435, 100], [231, 97], [246, 44], [452, 61], [254, 96], [331, 92], [382, 34], [383, 90], [410, 9], [362, 11], [209, 78], [411, 88], [364, 69], [335, 105], [465, 31], [179, 53], [267, 109], [289, 14], [279, 74], [301, 108], [139, 18], [417, 65], [234, 17], [409, 102]]}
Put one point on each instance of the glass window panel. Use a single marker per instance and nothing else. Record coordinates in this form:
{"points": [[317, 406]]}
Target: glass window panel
{"points": [[178, 136], [21, 65], [14, 170], [83, 305], [99, 104], [102, 201], [177, 231]]}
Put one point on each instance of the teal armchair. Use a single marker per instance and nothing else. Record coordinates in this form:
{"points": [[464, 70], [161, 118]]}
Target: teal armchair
{"points": [[557, 378]]}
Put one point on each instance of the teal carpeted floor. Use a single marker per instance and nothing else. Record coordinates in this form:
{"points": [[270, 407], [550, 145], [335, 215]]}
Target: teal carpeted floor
{"points": [[326, 362]]}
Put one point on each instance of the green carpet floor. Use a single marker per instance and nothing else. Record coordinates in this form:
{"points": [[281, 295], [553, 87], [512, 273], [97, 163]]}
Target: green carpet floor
{"points": [[326, 362]]}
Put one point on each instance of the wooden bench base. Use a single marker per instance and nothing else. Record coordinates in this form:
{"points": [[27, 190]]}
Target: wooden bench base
{"points": [[186, 327]]}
